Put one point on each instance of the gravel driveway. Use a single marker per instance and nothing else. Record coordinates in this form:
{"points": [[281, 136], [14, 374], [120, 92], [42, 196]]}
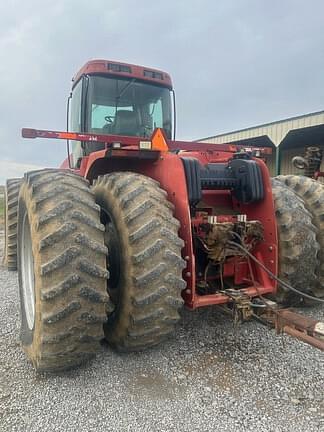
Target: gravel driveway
{"points": [[205, 379]]}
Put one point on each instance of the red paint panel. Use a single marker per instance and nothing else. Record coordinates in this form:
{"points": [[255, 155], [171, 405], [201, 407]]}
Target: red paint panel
{"points": [[169, 172]]}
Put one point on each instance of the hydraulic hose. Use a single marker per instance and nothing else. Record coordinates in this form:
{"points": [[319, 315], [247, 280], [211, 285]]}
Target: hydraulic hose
{"points": [[273, 276]]}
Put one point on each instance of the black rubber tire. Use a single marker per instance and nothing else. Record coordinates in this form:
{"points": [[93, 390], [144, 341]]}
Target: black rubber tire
{"points": [[298, 248], [70, 275], [10, 220], [312, 194], [149, 284]]}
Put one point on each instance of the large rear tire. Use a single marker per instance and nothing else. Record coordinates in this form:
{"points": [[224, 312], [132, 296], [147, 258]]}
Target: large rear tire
{"points": [[298, 248], [312, 194], [10, 219], [62, 270], [145, 261]]}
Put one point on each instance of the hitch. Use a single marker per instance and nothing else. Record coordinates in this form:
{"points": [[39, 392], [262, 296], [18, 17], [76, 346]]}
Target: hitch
{"points": [[306, 329], [242, 306]]}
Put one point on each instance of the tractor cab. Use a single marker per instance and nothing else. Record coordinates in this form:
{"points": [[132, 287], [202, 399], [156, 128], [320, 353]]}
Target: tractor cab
{"points": [[118, 99]]}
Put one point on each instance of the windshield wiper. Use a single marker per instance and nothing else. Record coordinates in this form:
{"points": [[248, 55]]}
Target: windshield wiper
{"points": [[122, 92]]}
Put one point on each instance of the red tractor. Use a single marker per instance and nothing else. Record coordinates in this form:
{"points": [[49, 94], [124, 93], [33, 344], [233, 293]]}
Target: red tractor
{"points": [[135, 224]]}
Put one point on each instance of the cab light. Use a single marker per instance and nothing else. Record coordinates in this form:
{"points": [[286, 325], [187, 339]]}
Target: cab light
{"points": [[153, 74], [115, 67]]}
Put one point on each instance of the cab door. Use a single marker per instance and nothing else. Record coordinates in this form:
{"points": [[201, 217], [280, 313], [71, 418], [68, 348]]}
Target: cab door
{"points": [[75, 122]]}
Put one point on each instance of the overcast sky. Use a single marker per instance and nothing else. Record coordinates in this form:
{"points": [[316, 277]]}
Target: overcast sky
{"points": [[234, 63]]}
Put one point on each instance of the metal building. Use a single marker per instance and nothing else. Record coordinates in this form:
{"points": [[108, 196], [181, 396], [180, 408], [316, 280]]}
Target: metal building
{"points": [[288, 138]]}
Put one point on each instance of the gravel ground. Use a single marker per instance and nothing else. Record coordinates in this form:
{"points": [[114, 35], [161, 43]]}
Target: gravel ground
{"points": [[207, 378]]}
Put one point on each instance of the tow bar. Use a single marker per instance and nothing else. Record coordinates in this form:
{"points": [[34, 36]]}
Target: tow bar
{"points": [[301, 327], [306, 329]]}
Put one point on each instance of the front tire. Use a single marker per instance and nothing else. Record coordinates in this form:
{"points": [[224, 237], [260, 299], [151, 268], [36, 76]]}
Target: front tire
{"points": [[61, 269], [145, 261]]}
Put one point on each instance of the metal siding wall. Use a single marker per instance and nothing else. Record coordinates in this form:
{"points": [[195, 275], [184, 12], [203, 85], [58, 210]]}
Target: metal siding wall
{"points": [[271, 162], [286, 167]]}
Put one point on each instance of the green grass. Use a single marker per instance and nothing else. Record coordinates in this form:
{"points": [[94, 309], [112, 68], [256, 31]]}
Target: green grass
{"points": [[1, 203]]}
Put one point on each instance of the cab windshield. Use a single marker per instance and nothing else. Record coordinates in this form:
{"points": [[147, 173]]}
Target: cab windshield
{"points": [[127, 107]]}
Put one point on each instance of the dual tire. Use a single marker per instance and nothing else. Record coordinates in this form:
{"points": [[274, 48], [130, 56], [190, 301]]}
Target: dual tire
{"points": [[67, 306]]}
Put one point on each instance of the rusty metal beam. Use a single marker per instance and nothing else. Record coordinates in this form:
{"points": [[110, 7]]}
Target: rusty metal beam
{"points": [[307, 329], [311, 340]]}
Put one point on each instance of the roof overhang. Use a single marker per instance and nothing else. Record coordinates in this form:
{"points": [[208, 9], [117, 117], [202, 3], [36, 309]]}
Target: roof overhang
{"points": [[300, 128]]}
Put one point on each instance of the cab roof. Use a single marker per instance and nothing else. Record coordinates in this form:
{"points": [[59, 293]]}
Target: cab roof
{"points": [[126, 70]]}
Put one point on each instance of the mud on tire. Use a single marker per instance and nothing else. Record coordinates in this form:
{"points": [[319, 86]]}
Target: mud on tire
{"points": [[312, 194], [145, 261], [10, 215], [62, 261], [298, 248]]}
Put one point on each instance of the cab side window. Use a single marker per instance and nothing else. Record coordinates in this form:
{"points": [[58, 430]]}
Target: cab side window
{"points": [[74, 123]]}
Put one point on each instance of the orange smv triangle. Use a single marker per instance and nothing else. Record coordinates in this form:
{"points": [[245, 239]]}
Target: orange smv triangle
{"points": [[158, 140]]}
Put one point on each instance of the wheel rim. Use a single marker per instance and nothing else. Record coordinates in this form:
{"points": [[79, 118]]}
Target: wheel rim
{"points": [[27, 273]]}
